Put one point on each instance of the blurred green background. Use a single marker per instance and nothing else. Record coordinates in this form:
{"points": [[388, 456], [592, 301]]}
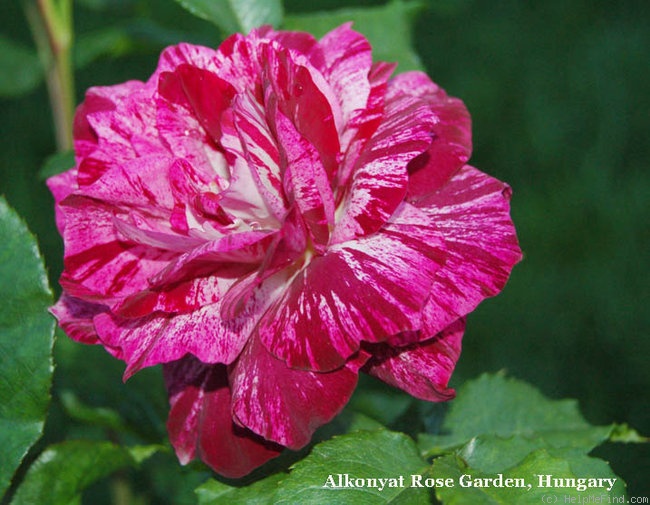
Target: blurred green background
{"points": [[558, 91]]}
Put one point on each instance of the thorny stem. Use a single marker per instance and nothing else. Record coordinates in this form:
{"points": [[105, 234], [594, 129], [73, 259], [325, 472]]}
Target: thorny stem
{"points": [[51, 25]]}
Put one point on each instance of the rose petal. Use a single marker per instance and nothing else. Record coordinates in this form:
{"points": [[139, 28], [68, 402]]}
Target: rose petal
{"points": [[183, 132], [135, 183], [473, 213], [154, 233], [452, 140], [124, 129], [282, 404], [174, 56], [62, 185], [97, 262], [305, 181], [301, 94], [175, 298], [201, 92], [347, 60], [423, 369], [300, 42], [75, 316], [162, 338], [379, 181], [238, 61], [363, 123], [200, 423], [85, 139], [255, 190], [159, 326], [247, 248]]}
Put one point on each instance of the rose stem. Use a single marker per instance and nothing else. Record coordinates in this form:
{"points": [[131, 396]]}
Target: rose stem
{"points": [[51, 25]]}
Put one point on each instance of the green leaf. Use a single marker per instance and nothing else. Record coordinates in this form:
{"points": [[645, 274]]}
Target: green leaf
{"points": [[97, 5], [504, 407], [490, 453], [379, 401], [26, 339], [261, 492], [140, 453], [64, 470], [236, 15], [393, 46], [357, 421], [21, 68], [141, 404], [113, 41], [624, 434], [56, 164], [96, 416], [529, 482], [379, 454]]}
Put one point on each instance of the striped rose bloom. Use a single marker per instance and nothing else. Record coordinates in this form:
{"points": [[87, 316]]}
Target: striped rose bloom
{"points": [[267, 220]]}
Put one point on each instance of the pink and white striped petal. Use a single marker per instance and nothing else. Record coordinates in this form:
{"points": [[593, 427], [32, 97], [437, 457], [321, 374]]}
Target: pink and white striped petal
{"points": [[185, 134], [174, 56], [176, 298], [254, 192], [98, 263], [347, 61], [306, 182], [164, 337], [246, 248], [422, 369], [472, 212], [135, 183], [363, 123], [200, 424], [119, 122], [281, 404], [134, 119], [303, 96], [75, 316], [300, 42], [238, 60], [379, 182], [250, 139], [203, 93], [451, 145], [138, 228]]}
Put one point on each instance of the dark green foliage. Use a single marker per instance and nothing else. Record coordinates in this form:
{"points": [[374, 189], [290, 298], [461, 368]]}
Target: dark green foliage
{"points": [[26, 338]]}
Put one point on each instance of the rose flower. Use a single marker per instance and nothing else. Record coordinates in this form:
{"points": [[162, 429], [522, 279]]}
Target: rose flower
{"points": [[267, 220]]}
